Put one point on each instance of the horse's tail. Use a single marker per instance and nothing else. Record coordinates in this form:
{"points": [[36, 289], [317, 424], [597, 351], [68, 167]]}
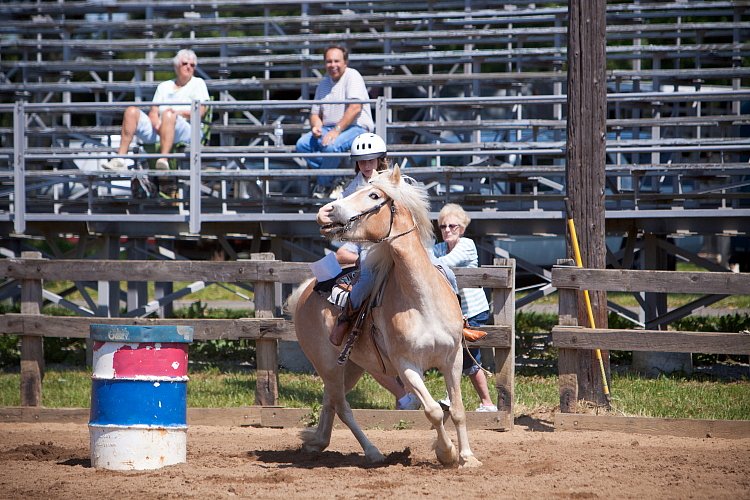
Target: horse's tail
{"points": [[290, 306]]}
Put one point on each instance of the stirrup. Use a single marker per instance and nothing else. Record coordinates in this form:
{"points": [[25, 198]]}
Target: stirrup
{"points": [[340, 321], [353, 335], [472, 335]]}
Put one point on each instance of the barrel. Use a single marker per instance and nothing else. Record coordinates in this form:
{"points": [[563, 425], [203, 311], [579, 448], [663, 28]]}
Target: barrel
{"points": [[138, 416]]}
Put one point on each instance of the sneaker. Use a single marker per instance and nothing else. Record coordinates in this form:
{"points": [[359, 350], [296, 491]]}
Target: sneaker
{"points": [[408, 402], [336, 192], [445, 403], [162, 164], [320, 191], [486, 408], [115, 164]]}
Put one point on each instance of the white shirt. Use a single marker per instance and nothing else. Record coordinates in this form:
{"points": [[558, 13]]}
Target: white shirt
{"points": [[169, 92]]}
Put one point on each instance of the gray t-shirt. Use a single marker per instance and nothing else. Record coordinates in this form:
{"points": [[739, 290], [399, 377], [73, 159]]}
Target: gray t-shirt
{"points": [[351, 85]]}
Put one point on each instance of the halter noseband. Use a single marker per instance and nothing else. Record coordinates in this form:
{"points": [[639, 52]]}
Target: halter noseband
{"points": [[372, 210]]}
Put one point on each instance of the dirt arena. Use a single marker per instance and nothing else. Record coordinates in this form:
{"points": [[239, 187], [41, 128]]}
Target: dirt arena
{"points": [[52, 461]]}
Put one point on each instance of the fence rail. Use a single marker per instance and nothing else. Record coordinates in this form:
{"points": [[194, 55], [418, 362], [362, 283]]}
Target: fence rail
{"points": [[262, 273], [574, 342]]}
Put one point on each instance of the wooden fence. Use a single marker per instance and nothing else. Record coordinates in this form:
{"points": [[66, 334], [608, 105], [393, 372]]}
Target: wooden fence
{"points": [[574, 341], [262, 273]]}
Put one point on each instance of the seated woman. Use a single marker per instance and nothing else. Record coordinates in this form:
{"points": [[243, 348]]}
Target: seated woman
{"points": [[458, 251]]}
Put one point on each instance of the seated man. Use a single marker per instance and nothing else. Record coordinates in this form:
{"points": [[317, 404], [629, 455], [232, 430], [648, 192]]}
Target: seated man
{"points": [[166, 123], [335, 126]]}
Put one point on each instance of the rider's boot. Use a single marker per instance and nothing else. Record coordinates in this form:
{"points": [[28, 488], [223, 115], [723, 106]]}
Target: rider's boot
{"points": [[343, 324]]}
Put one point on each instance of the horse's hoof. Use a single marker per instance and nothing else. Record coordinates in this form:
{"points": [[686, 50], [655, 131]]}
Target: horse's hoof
{"points": [[468, 462], [447, 457], [375, 457]]}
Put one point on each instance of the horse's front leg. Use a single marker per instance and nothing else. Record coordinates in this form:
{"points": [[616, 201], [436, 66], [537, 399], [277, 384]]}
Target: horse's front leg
{"points": [[444, 449], [458, 413]]}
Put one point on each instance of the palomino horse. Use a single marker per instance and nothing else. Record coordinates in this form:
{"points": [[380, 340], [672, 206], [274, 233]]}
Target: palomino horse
{"points": [[416, 326]]}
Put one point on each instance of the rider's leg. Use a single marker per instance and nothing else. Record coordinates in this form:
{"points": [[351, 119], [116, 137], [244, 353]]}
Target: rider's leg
{"points": [[360, 291]]}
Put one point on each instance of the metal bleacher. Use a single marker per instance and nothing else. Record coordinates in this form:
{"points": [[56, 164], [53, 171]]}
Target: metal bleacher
{"points": [[469, 94]]}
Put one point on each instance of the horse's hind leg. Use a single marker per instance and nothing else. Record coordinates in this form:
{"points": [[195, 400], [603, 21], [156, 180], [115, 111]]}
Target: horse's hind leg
{"points": [[352, 374], [319, 438], [337, 394], [334, 403]]}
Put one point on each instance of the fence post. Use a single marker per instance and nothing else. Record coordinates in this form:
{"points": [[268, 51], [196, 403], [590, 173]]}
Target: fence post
{"points": [[504, 313], [32, 346], [567, 361], [266, 351]]}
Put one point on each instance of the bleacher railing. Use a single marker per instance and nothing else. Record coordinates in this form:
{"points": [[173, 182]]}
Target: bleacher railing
{"points": [[483, 139]]}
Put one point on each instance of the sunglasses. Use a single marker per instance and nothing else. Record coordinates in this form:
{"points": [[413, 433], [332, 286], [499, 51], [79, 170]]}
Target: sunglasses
{"points": [[452, 227], [185, 63]]}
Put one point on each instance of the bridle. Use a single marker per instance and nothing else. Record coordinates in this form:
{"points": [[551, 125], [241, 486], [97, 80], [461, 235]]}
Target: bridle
{"points": [[373, 210]]}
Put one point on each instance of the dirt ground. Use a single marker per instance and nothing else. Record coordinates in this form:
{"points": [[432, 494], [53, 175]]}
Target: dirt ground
{"points": [[41, 460]]}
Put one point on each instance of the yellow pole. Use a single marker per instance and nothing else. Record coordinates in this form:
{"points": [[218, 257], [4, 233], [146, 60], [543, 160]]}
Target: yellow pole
{"points": [[587, 300]]}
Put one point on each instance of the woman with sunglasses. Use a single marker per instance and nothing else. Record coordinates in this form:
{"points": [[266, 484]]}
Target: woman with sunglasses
{"points": [[457, 251], [168, 120]]}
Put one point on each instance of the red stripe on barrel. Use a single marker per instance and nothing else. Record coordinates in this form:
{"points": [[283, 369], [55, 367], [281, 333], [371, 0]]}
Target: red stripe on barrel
{"points": [[138, 360]]}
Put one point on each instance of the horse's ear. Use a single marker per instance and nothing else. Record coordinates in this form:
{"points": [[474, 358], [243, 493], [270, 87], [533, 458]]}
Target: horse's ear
{"points": [[396, 176]]}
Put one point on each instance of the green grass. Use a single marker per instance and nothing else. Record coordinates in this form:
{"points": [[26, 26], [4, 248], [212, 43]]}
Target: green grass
{"points": [[665, 397], [213, 292], [679, 397]]}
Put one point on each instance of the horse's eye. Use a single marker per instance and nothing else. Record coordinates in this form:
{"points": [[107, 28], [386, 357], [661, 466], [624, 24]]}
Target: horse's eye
{"points": [[374, 196]]}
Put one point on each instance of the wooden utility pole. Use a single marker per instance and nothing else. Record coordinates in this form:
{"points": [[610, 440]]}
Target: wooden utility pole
{"points": [[585, 173]]}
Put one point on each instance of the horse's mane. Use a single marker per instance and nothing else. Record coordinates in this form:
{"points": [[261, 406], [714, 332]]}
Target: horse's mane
{"points": [[408, 196]]}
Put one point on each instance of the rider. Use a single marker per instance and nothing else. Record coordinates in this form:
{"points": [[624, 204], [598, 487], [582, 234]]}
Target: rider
{"points": [[369, 152]]}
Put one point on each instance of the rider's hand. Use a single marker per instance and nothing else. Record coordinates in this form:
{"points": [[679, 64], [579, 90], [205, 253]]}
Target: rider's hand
{"points": [[324, 214]]}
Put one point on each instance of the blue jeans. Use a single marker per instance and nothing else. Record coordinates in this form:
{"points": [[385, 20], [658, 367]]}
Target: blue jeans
{"points": [[365, 283], [470, 368], [343, 143]]}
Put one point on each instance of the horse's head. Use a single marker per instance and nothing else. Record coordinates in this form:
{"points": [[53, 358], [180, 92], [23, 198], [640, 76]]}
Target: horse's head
{"points": [[386, 208], [365, 215]]}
